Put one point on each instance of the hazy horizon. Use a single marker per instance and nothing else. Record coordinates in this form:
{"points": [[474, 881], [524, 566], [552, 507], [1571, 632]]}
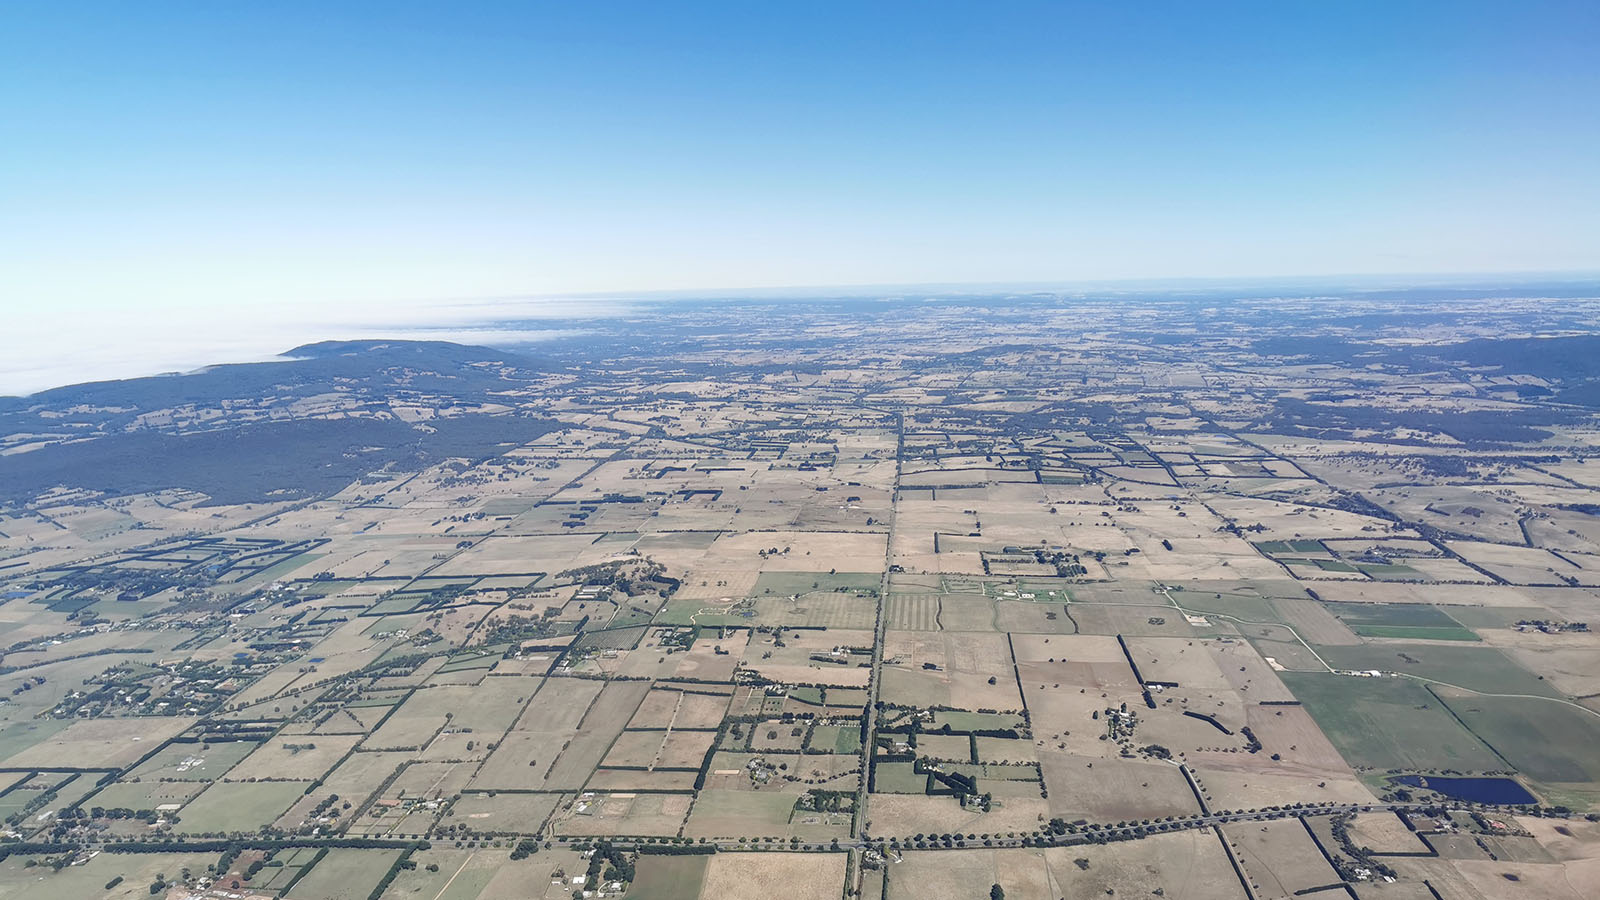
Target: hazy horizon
{"points": [[210, 166], [57, 348]]}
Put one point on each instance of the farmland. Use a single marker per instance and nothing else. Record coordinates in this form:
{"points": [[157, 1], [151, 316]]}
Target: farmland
{"points": [[740, 611]]}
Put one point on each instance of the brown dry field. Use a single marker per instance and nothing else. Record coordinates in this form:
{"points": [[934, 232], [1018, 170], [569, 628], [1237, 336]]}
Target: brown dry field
{"points": [[1245, 788], [1291, 732], [1006, 750], [685, 749], [1113, 789], [1279, 857], [521, 813], [827, 771], [1063, 718], [599, 728], [1168, 726], [1458, 594], [1400, 890], [717, 585], [624, 813], [355, 780], [809, 551], [794, 876], [1313, 622], [792, 663], [1032, 617], [1565, 840], [1569, 661], [1131, 619], [274, 759], [626, 780], [953, 748], [1247, 672], [634, 748], [521, 760], [680, 709], [1033, 648], [559, 705], [1523, 565], [811, 673], [1576, 880], [429, 781], [903, 815], [100, 743], [656, 710], [1188, 865], [966, 663], [1185, 662], [1385, 833]]}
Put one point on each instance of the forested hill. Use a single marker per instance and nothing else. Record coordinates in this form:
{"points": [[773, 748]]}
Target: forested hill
{"points": [[303, 425]]}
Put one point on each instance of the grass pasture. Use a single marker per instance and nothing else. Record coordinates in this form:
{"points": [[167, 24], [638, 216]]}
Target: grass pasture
{"points": [[344, 875], [1476, 668], [238, 806], [1384, 723], [1549, 742], [669, 877], [1415, 621], [194, 762], [790, 583], [724, 813]]}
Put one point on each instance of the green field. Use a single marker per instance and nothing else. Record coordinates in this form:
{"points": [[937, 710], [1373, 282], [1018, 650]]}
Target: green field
{"points": [[1389, 723], [1476, 668], [238, 806], [147, 794], [283, 868], [807, 695], [1280, 547], [1417, 621], [344, 875], [1244, 607], [962, 721], [394, 605], [611, 638], [1417, 615], [912, 612], [839, 738], [194, 762], [19, 736], [726, 813], [789, 583], [898, 778], [1389, 572], [1415, 632], [22, 879], [483, 659], [1547, 741], [668, 877]]}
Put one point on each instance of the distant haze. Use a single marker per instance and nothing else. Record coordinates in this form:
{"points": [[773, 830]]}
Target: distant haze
{"points": [[51, 346], [46, 348], [173, 173]]}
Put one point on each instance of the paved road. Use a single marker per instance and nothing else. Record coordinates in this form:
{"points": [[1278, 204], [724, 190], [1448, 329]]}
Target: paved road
{"points": [[1082, 836], [880, 624]]}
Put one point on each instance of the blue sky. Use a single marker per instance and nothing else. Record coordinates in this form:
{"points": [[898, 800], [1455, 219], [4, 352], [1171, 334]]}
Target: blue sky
{"points": [[230, 158]]}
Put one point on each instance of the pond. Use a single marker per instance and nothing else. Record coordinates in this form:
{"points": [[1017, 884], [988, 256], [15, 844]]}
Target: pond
{"points": [[1473, 789]]}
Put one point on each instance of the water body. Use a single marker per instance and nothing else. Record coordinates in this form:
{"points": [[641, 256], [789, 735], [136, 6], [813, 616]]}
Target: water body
{"points": [[1471, 789]]}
